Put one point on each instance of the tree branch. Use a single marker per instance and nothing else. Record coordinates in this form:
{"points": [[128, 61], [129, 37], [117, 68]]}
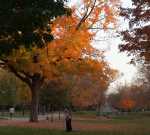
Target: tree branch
{"points": [[86, 15], [25, 77]]}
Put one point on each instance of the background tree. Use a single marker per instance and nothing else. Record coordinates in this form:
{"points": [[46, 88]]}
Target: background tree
{"points": [[128, 98], [7, 89], [13, 91], [127, 104], [137, 38], [54, 96], [89, 88]]}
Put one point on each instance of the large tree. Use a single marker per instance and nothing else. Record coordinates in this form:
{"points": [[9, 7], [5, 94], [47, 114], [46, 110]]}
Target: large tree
{"points": [[27, 28], [26, 24]]}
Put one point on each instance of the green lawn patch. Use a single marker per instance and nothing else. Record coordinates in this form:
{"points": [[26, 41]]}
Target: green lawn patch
{"points": [[30, 131]]}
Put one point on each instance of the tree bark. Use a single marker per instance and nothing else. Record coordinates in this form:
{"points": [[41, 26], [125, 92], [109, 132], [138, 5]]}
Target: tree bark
{"points": [[59, 115], [98, 109], [23, 110], [34, 105]]}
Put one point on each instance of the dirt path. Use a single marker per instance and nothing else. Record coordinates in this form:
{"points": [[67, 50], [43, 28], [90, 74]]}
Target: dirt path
{"points": [[77, 125]]}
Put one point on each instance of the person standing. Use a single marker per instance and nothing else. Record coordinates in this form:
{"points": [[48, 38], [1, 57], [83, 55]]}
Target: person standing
{"points": [[11, 111], [68, 117]]}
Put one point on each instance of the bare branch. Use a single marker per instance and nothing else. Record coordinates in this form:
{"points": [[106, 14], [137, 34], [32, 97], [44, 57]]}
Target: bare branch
{"points": [[86, 15]]}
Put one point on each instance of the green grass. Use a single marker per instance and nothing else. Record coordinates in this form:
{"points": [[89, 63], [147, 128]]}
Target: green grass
{"points": [[129, 118], [85, 113], [30, 131], [125, 124], [128, 124]]}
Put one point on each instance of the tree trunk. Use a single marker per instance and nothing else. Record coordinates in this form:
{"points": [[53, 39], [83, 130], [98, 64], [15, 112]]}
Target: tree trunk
{"points": [[59, 115], [98, 109], [23, 110], [34, 105]]}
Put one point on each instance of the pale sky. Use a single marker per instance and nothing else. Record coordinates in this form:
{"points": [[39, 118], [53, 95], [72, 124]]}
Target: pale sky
{"points": [[116, 59]]}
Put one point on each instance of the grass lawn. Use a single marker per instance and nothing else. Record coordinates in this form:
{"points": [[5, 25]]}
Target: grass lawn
{"points": [[30, 131], [129, 124]]}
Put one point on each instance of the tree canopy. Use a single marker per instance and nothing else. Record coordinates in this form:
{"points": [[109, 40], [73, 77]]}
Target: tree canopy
{"points": [[137, 37], [27, 49], [27, 22]]}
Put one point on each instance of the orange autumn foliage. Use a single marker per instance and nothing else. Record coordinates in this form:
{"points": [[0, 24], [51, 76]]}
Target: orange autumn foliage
{"points": [[70, 46], [99, 12], [87, 88], [71, 52], [127, 104]]}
